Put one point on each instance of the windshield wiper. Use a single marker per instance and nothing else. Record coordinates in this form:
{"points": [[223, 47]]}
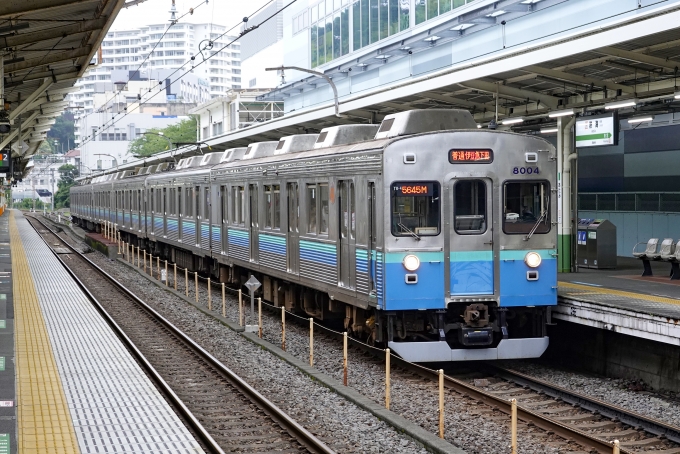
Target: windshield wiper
{"points": [[533, 229], [406, 229]]}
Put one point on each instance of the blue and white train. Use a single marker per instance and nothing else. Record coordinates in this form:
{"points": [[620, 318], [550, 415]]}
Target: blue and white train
{"points": [[424, 233]]}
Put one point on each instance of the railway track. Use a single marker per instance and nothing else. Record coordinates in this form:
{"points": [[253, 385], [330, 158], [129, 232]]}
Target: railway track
{"points": [[224, 411], [553, 414]]}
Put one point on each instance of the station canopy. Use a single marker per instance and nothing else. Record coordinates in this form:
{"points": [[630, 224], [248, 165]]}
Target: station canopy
{"points": [[46, 46]]}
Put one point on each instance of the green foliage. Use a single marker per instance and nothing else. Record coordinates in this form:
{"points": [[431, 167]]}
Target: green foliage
{"points": [[62, 133], [68, 173], [45, 148], [27, 204], [148, 144]]}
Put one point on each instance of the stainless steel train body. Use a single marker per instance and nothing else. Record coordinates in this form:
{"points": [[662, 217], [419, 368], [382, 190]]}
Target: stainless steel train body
{"points": [[434, 237]]}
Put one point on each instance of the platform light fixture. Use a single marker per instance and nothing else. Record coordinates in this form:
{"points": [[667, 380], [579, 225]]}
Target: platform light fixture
{"points": [[621, 104], [461, 27], [496, 13], [677, 95], [548, 130], [432, 39], [640, 119], [513, 121], [561, 113]]}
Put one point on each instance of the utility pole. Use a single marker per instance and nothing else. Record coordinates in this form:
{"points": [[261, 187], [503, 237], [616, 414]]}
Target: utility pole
{"points": [[52, 172]]}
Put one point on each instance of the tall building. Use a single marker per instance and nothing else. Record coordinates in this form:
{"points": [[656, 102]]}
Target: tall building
{"points": [[263, 48], [157, 47]]}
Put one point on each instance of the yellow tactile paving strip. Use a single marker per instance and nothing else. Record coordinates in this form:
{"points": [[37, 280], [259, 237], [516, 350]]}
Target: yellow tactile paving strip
{"points": [[43, 419], [607, 291]]}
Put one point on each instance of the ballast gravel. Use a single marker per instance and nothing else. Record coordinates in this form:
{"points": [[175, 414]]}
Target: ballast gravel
{"points": [[347, 428], [617, 391]]}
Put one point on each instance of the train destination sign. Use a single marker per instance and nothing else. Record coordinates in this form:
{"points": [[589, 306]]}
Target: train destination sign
{"points": [[596, 131], [406, 189], [466, 156]]}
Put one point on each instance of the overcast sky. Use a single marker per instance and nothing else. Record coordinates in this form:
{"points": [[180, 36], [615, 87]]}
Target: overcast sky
{"points": [[222, 12]]}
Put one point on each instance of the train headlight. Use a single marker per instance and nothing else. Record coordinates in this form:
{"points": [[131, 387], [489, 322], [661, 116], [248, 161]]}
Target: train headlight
{"points": [[532, 259], [411, 262]]}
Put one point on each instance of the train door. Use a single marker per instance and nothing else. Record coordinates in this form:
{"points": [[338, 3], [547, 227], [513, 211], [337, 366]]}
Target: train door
{"points": [[471, 262], [180, 213], [254, 224], [372, 236], [141, 215], [347, 237], [224, 210], [197, 216], [164, 212], [293, 240]]}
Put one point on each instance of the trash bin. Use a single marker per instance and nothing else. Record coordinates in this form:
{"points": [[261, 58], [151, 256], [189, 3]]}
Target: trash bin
{"points": [[601, 244], [581, 237]]}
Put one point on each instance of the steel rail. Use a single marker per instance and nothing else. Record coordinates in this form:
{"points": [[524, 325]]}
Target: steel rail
{"points": [[302, 435], [630, 418]]}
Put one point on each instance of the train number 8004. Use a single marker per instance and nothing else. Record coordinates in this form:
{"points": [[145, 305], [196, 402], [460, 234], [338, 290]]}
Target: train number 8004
{"points": [[525, 171]]}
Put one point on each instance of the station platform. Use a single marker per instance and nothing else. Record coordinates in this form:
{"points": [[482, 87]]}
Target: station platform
{"points": [[67, 383], [622, 300]]}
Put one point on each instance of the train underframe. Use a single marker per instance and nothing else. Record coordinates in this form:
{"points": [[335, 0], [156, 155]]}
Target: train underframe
{"points": [[476, 325]]}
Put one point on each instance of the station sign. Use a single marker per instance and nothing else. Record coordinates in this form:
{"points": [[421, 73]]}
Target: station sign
{"points": [[597, 131]]}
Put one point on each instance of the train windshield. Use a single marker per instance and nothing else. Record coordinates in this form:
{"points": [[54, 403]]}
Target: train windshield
{"points": [[415, 208], [526, 206]]}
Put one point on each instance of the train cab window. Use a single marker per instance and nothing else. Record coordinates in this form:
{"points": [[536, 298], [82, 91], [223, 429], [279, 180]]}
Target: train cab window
{"points": [[469, 207], [415, 208], [526, 207]]}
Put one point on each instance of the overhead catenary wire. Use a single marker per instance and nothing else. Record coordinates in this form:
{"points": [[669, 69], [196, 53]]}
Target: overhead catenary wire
{"points": [[113, 121], [136, 71]]}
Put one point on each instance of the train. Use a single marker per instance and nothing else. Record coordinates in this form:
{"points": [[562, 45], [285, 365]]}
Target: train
{"points": [[424, 234]]}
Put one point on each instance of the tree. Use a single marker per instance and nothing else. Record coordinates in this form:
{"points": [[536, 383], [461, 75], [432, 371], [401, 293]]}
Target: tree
{"points": [[148, 144], [63, 132], [68, 174]]}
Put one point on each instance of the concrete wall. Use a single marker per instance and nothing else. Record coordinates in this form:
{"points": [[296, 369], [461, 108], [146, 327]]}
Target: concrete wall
{"points": [[614, 355]]}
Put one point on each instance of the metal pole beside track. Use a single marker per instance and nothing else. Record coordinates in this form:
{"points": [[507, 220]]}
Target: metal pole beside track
{"points": [[196, 284], [224, 303], [175, 266], [283, 328], [311, 342], [441, 404], [209, 296], [259, 317], [344, 358], [387, 378], [186, 281], [513, 426]]}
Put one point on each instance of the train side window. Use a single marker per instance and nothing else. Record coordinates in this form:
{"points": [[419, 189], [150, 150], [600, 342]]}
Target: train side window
{"points": [[311, 208], [323, 205], [268, 207], [188, 209], [223, 204], [526, 207], [179, 201], [276, 197], [352, 212], [415, 207], [469, 207], [238, 213], [206, 200]]}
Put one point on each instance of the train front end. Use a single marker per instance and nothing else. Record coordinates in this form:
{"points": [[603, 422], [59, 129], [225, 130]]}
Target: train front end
{"points": [[470, 237]]}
